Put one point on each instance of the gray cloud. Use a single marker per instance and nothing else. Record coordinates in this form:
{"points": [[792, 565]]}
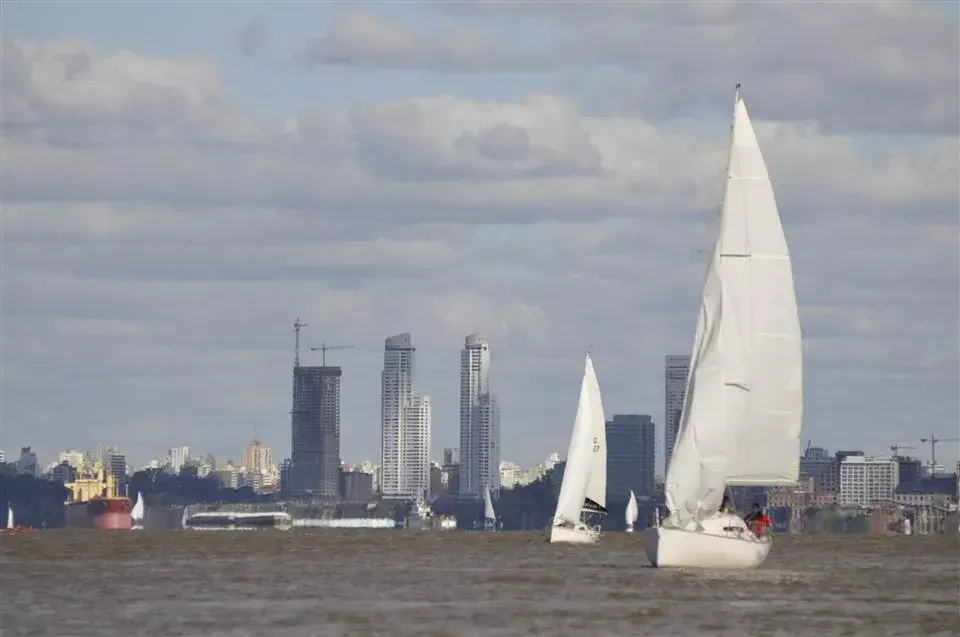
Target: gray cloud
{"points": [[895, 64], [360, 38], [159, 239]]}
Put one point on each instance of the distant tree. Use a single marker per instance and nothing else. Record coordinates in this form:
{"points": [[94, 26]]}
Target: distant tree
{"points": [[36, 502]]}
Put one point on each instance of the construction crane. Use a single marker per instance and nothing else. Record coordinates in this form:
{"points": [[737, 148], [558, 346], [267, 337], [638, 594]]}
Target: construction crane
{"points": [[296, 352], [896, 448], [933, 440], [324, 347]]}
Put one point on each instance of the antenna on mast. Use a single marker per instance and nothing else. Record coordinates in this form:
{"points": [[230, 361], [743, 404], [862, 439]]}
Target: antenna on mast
{"points": [[296, 353]]}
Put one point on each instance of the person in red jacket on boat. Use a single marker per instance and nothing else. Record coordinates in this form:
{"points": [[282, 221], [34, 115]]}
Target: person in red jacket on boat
{"points": [[757, 520]]}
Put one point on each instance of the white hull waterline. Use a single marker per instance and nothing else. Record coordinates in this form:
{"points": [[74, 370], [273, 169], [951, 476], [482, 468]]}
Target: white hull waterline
{"points": [[723, 542], [580, 534], [629, 528]]}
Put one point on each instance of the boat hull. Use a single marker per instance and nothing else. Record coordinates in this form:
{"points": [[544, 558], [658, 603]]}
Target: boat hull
{"points": [[629, 528], [708, 547], [108, 514], [580, 534]]}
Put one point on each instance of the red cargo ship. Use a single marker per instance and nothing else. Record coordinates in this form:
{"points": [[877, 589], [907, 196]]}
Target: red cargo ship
{"points": [[96, 504]]}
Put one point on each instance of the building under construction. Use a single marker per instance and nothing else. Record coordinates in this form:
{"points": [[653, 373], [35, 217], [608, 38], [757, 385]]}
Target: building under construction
{"points": [[315, 432]]}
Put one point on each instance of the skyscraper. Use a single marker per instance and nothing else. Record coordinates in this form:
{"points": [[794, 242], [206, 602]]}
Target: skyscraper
{"points": [[315, 432], [631, 456], [676, 370], [479, 421], [405, 423]]}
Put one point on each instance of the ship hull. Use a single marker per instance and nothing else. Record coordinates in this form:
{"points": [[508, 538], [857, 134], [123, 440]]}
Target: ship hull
{"points": [[107, 514]]}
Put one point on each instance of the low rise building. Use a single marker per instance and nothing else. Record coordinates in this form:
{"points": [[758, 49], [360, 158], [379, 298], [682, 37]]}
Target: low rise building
{"points": [[866, 480]]}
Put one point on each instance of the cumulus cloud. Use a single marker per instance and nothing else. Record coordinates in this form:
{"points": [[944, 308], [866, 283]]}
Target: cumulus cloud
{"points": [[160, 237]]}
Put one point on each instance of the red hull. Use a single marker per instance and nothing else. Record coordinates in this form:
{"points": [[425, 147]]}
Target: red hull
{"points": [[112, 521], [111, 514]]}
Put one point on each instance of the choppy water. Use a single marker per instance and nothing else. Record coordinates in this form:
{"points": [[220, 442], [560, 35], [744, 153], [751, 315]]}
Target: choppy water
{"points": [[71, 583]]}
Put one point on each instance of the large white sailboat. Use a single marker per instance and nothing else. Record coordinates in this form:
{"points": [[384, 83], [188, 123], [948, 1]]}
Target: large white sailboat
{"points": [[489, 517], [584, 487], [743, 408]]}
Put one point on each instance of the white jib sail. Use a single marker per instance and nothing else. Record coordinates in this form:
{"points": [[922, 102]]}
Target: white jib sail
{"points": [[576, 472], [9, 517], [136, 514], [743, 407], [488, 513], [632, 511], [597, 485]]}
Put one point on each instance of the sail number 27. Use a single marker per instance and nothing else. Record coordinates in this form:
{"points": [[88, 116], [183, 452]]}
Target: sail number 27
{"points": [[596, 444]]}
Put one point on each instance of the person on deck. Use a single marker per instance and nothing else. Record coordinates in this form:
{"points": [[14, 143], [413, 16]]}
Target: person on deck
{"points": [[757, 520]]}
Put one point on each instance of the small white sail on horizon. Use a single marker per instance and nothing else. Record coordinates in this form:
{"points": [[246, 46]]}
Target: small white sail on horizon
{"points": [[632, 512], [743, 408], [10, 524], [583, 490], [489, 516], [137, 512]]}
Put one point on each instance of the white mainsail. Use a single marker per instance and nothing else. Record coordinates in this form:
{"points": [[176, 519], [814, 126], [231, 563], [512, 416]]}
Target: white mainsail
{"points": [[9, 517], [488, 513], [136, 514], [597, 485], [576, 472], [633, 512], [743, 409]]}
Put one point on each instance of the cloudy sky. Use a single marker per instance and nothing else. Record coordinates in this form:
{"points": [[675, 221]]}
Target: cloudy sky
{"points": [[181, 181]]}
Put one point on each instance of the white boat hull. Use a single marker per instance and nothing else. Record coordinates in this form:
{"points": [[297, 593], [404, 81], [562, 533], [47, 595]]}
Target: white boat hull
{"points": [[580, 534], [629, 528], [711, 546]]}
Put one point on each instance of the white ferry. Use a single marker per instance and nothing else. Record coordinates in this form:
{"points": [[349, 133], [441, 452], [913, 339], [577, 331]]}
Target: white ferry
{"points": [[238, 521]]}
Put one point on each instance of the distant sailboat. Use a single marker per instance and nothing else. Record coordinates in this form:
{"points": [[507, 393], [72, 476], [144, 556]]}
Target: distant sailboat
{"points": [[632, 512], [489, 517], [583, 491], [137, 514], [743, 408], [10, 524]]}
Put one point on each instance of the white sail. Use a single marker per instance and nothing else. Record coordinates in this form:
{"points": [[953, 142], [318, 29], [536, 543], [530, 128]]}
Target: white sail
{"points": [[136, 514], [632, 512], [488, 513], [576, 472], [597, 485], [9, 517], [758, 279], [743, 407]]}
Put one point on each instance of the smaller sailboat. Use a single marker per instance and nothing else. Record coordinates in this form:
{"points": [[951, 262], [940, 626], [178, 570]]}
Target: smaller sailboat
{"points": [[10, 524], [137, 514], [489, 517], [584, 486], [632, 512]]}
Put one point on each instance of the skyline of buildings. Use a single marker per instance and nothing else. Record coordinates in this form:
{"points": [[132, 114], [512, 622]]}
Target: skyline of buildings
{"points": [[406, 469]]}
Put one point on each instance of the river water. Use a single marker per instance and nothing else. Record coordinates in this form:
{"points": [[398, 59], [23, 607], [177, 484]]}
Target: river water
{"points": [[368, 583]]}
